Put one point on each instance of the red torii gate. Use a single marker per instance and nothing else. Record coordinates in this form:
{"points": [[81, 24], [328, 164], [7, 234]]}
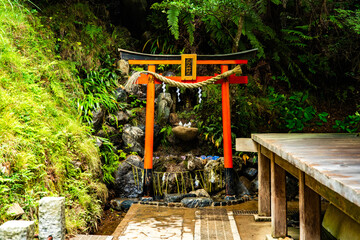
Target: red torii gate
{"points": [[188, 75]]}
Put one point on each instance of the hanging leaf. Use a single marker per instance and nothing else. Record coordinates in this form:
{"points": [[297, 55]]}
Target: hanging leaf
{"points": [[245, 157]]}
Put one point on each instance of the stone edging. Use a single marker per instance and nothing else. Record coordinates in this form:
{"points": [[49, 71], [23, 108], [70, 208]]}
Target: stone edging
{"points": [[179, 204]]}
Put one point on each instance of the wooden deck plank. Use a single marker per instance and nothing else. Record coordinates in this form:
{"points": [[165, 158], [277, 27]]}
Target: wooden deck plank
{"points": [[332, 160]]}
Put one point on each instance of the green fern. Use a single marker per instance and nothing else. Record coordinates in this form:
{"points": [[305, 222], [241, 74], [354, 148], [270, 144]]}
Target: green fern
{"points": [[189, 22], [173, 21]]}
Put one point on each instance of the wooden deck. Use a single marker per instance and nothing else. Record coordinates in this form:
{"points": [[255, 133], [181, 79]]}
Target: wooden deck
{"points": [[325, 164]]}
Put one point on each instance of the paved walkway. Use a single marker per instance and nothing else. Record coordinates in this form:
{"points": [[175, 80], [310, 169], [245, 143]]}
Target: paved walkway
{"points": [[148, 222], [152, 222]]}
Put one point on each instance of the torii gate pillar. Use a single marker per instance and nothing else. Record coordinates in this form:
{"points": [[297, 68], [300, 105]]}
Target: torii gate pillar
{"points": [[149, 135], [226, 119]]}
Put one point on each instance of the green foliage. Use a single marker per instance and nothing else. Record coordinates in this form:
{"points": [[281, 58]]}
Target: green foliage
{"points": [[208, 118], [347, 18], [350, 124], [135, 102], [166, 132], [99, 86], [82, 37], [294, 111], [111, 160], [225, 20], [173, 21], [46, 150]]}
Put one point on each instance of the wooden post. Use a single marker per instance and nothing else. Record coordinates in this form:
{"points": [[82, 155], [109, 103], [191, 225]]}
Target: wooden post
{"points": [[264, 202], [149, 135], [310, 211], [278, 200], [228, 163]]}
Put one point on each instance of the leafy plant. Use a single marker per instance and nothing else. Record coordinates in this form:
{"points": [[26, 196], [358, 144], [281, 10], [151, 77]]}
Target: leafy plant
{"points": [[294, 112], [166, 132], [111, 159], [350, 124], [98, 86], [226, 20]]}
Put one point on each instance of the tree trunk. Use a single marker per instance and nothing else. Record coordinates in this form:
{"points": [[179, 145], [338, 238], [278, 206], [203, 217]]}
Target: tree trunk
{"points": [[238, 34]]}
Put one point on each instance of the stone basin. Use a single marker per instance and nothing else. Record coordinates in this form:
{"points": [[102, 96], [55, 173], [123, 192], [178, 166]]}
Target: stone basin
{"points": [[185, 133]]}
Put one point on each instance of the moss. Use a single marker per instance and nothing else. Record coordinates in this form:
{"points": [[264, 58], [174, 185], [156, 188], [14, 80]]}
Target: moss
{"points": [[50, 152]]}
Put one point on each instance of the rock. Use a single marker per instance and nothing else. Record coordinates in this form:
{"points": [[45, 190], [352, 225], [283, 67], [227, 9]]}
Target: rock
{"points": [[126, 204], [254, 187], [17, 230], [241, 189], [98, 142], [201, 193], [116, 204], [133, 139], [5, 168], [121, 95], [164, 104], [98, 118], [174, 119], [250, 173], [185, 133], [126, 184], [106, 131], [193, 202], [123, 66], [213, 170], [15, 210], [122, 116], [214, 165], [175, 197], [121, 204], [52, 218], [195, 163], [245, 181]]}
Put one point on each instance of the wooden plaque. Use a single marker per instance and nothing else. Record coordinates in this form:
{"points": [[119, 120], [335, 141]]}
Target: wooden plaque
{"points": [[188, 66]]}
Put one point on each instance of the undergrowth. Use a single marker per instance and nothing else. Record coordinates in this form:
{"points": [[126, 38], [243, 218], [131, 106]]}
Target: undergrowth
{"points": [[44, 149]]}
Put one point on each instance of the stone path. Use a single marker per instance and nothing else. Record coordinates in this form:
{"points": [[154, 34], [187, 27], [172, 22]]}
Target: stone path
{"points": [[210, 223], [177, 223]]}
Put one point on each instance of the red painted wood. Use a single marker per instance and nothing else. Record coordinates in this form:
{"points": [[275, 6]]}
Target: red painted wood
{"points": [[143, 79], [156, 62], [228, 163], [149, 124]]}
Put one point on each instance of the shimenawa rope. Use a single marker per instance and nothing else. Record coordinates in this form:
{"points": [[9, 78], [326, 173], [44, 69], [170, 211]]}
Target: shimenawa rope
{"points": [[132, 80]]}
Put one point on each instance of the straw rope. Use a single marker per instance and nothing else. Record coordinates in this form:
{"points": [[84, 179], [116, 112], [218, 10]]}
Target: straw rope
{"points": [[132, 80]]}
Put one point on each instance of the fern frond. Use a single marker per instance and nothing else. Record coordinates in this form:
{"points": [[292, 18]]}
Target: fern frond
{"points": [[173, 21], [297, 33], [189, 23]]}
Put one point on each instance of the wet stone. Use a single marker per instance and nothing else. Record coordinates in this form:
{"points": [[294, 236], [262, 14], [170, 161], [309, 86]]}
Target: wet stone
{"points": [[120, 204], [251, 173], [254, 188], [193, 202], [177, 197], [200, 193]]}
